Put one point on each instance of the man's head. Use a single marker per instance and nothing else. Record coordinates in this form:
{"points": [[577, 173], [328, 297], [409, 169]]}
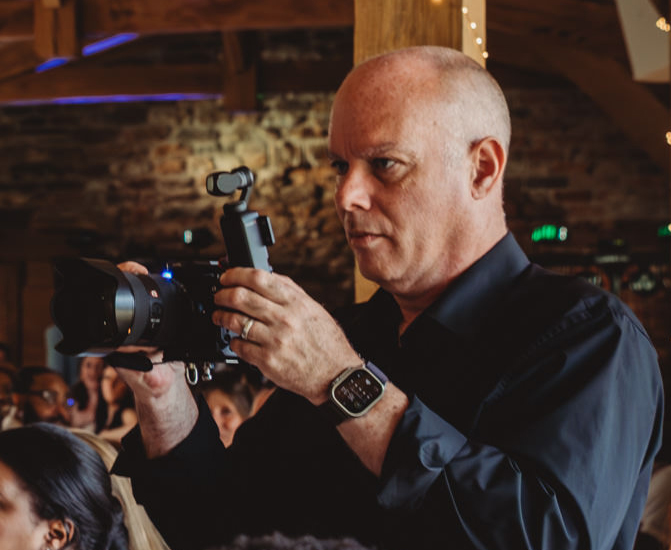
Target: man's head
{"points": [[43, 395], [419, 138]]}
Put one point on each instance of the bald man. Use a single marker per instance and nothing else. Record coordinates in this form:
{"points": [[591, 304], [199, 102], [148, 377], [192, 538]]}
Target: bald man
{"points": [[476, 401]]}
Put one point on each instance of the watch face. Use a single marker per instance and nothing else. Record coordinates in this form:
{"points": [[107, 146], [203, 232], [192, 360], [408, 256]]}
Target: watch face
{"points": [[358, 391]]}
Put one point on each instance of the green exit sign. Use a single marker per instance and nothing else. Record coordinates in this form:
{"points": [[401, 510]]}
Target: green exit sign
{"points": [[549, 233], [664, 231]]}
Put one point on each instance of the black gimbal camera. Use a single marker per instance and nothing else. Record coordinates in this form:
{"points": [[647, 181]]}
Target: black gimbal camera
{"points": [[99, 308]]}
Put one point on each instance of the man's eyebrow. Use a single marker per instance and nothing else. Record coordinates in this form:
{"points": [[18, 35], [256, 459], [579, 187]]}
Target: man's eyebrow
{"points": [[371, 152]]}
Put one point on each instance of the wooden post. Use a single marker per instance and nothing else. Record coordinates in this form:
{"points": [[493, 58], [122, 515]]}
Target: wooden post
{"points": [[239, 71], [55, 28], [385, 25]]}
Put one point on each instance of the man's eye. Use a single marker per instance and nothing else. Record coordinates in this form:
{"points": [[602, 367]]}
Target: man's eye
{"points": [[383, 163], [340, 167]]}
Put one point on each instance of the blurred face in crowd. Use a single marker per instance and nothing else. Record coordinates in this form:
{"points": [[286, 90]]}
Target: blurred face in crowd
{"points": [[91, 371], [112, 386], [48, 400], [20, 527], [225, 413]]}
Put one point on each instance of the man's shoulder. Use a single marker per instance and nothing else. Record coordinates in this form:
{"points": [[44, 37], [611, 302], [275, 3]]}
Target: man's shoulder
{"points": [[567, 295], [545, 308]]}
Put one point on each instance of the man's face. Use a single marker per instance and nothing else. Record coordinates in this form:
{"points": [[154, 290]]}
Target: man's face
{"points": [[402, 198], [48, 401]]}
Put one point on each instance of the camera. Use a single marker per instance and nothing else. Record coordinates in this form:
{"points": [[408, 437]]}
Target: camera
{"points": [[99, 308]]}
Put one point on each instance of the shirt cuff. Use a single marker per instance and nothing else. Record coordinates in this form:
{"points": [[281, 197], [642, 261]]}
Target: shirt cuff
{"points": [[132, 460], [421, 446]]}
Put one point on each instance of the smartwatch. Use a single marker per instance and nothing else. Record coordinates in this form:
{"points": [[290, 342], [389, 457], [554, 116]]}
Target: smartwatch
{"points": [[354, 392]]}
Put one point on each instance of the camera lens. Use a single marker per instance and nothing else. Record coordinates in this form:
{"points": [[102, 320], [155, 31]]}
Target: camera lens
{"points": [[98, 307]]}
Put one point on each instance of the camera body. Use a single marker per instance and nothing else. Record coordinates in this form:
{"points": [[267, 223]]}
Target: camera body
{"points": [[99, 308]]}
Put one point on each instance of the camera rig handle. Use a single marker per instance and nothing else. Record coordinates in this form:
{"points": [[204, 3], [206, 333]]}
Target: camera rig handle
{"points": [[246, 234]]}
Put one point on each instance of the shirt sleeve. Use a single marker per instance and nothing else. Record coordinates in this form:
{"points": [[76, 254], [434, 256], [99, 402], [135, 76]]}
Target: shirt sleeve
{"points": [[178, 490], [560, 455]]}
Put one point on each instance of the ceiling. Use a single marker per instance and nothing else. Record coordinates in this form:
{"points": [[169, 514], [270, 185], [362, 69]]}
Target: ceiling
{"points": [[215, 47]]}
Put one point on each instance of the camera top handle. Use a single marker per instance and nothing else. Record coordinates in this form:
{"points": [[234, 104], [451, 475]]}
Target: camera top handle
{"points": [[246, 234]]}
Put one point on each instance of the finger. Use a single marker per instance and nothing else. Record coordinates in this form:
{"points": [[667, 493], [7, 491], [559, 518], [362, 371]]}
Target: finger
{"points": [[133, 267], [236, 322], [246, 301], [272, 286]]}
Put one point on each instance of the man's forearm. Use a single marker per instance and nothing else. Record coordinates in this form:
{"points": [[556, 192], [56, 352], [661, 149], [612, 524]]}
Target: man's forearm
{"points": [[369, 436], [166, 420]]}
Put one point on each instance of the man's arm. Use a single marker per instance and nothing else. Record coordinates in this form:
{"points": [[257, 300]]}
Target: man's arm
{"points": [[296, 343], [560, 453], [164, 404]]}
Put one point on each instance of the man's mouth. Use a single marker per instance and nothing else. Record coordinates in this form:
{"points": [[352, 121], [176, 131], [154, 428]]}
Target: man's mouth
{"points": [[362, 238]]}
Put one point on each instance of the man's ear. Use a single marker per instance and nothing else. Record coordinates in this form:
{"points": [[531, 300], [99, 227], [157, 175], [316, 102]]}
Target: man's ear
{"points": [[60, 533], [489, 161]]}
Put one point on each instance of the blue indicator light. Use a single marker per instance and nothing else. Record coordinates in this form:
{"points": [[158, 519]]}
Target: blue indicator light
{"points": [[166, 274], [70, 402]]}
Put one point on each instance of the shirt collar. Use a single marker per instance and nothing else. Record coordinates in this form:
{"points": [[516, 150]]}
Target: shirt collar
{"points": [[470, 299]]}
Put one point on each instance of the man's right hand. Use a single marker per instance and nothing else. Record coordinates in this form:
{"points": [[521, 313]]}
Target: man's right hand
{"points": [[165, 406]]}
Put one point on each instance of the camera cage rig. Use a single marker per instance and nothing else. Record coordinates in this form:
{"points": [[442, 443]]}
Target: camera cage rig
{"points": [[246, 235]]}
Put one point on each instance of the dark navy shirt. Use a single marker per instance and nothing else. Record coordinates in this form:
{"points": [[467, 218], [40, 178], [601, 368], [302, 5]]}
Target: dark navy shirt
{"points": [[535, 415]]}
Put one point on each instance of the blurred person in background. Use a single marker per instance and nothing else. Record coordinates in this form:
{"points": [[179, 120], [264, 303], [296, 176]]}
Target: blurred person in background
{"points": [[42, 396], [115, 415], [86, 392], [230, 399], [142, 534], [7, 404]]}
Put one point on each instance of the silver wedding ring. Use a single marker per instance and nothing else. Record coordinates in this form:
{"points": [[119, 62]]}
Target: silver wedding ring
{"points": [[246, 328]]}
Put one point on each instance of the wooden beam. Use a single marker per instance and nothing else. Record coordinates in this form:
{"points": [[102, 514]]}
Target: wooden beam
{"points": [[100, 17], [609, 84], [17, 58], [240, 70], [16, 19], [91, 80], [384, 25], [56, 28]]}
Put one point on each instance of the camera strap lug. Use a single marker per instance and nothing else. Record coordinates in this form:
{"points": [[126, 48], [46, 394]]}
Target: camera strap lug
{"points": [[191, 374]]}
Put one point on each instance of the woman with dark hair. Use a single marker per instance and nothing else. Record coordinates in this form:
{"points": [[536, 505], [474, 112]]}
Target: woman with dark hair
{"points": [[55, 493]]}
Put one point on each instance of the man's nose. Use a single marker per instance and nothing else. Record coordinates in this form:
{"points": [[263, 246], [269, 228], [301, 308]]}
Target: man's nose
{"points": [[353, 191]]}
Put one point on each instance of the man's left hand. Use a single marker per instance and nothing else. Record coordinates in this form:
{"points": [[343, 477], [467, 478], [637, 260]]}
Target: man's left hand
{"points": [[293, 340]]}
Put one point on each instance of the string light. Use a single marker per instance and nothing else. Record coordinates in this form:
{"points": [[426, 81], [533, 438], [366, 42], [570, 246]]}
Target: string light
{"points": [[663, 24], [473, 26]]}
